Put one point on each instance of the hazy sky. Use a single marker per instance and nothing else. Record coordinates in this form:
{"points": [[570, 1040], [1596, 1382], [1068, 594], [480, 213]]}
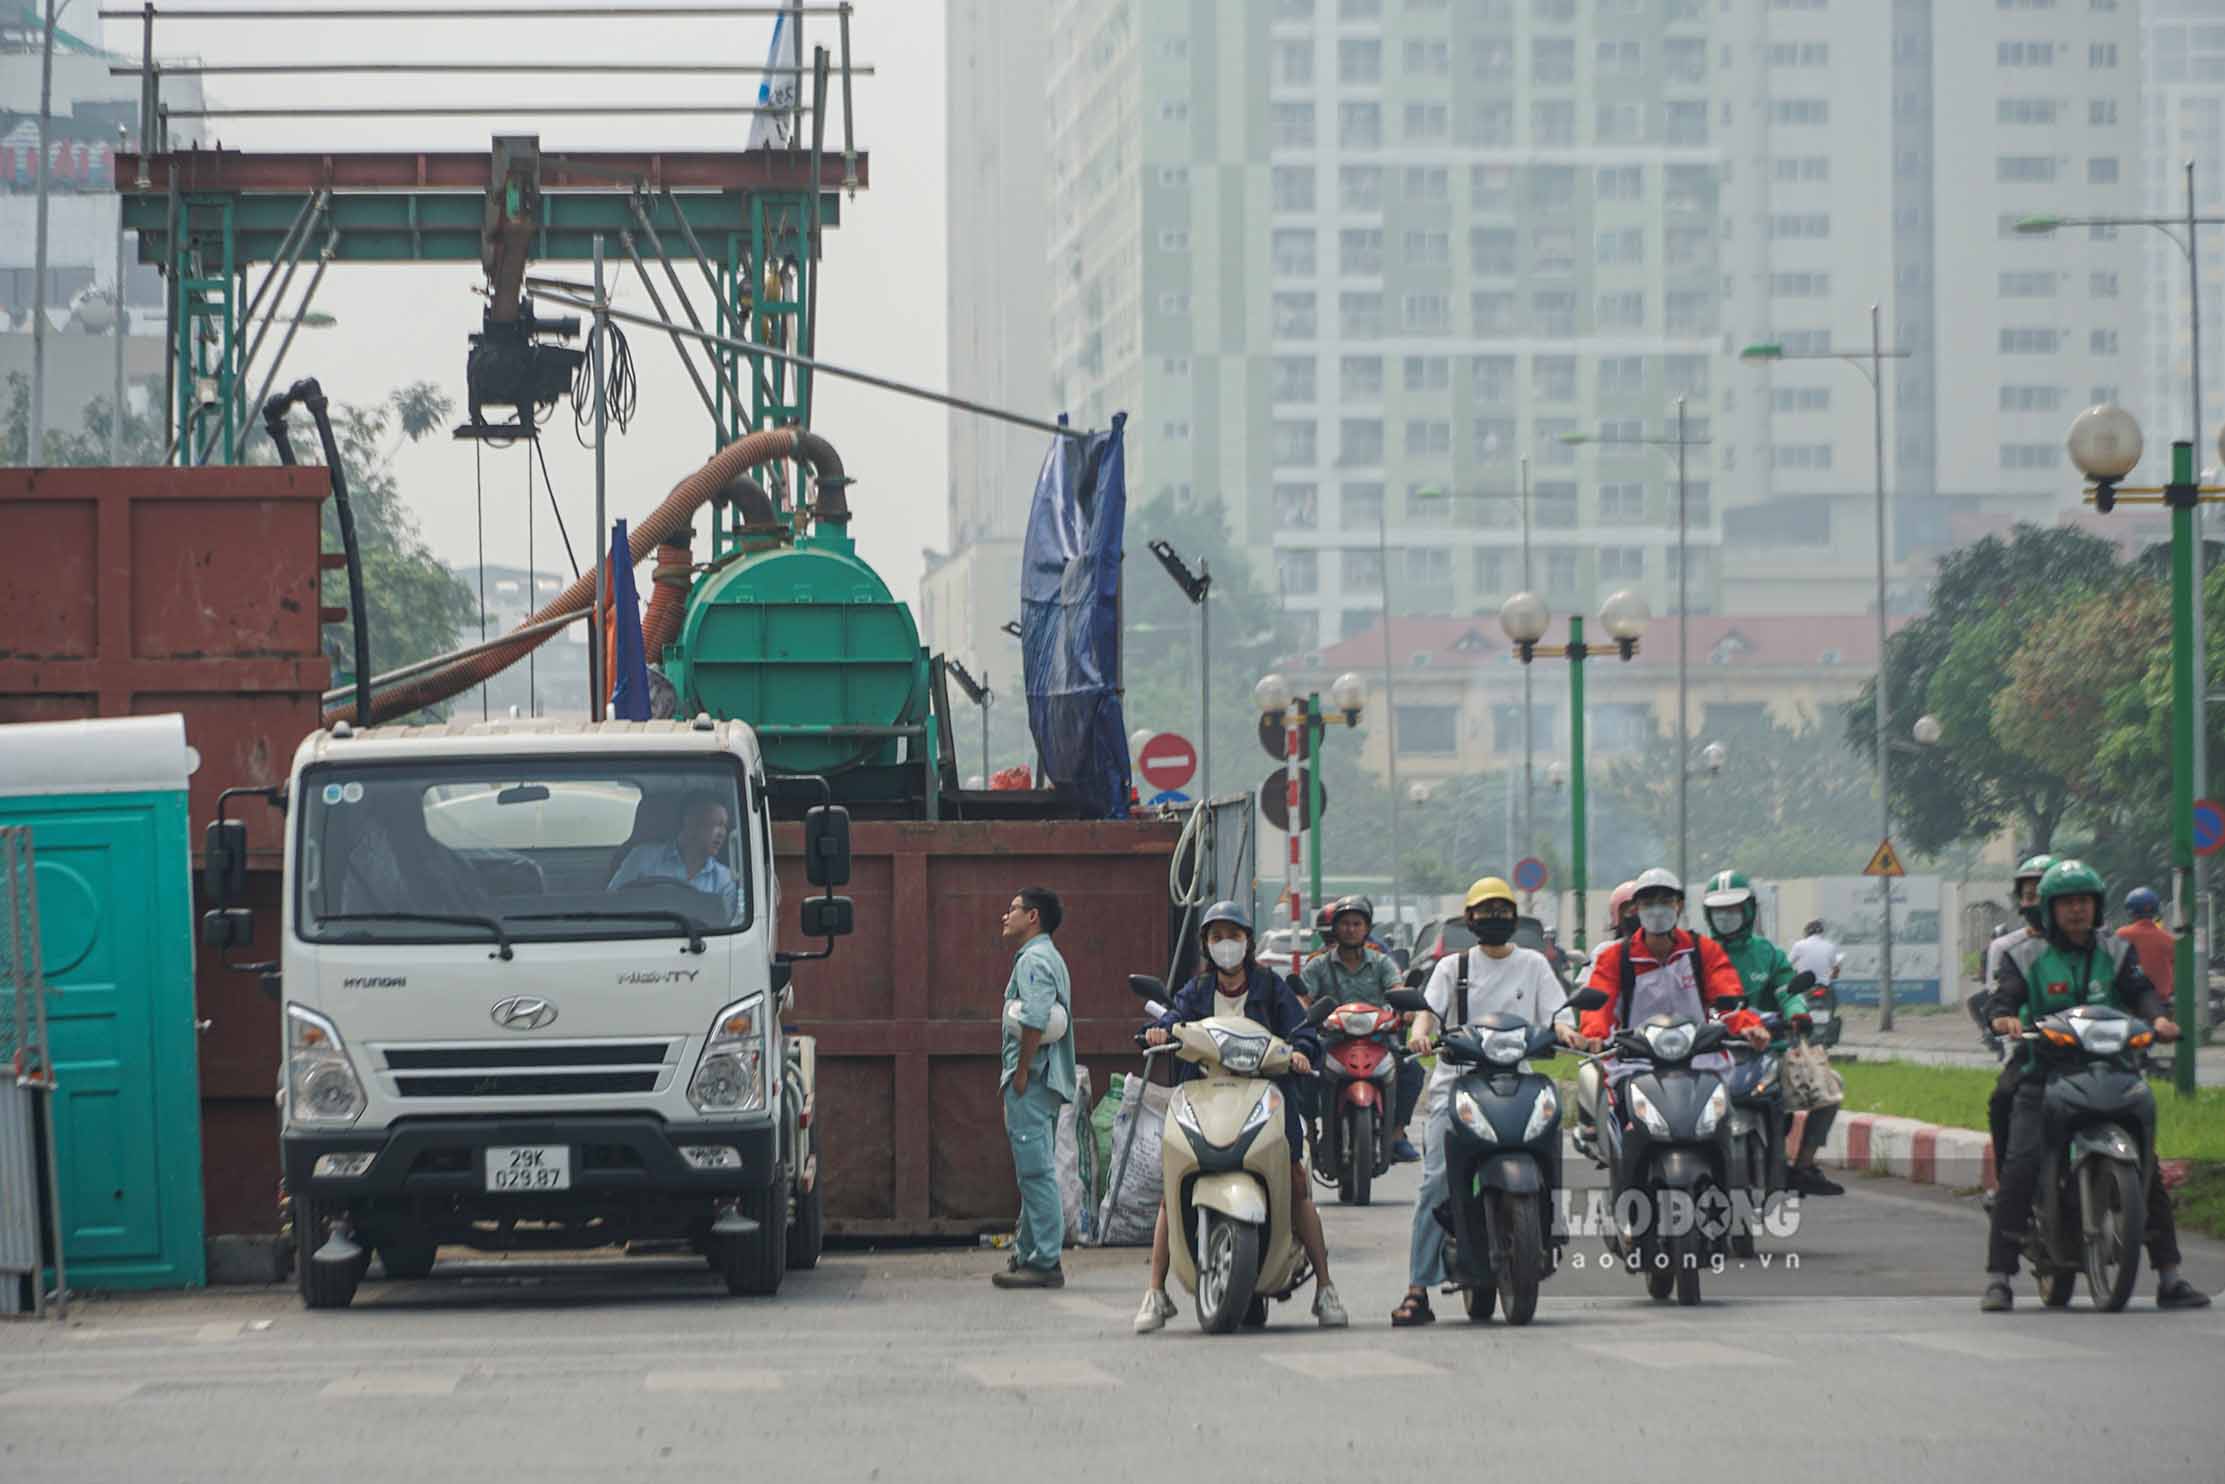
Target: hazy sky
{"points": [[881, 305]]}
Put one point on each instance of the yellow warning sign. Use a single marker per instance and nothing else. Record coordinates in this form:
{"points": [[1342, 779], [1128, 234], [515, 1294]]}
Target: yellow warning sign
{"points": [[1885, 863]]}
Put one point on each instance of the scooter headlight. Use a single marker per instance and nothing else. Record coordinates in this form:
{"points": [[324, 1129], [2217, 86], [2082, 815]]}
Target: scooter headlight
{"points": [[1358, 1022], [1239, 1054], [2105, 1037], [1269, 1106], [1185, 1116], [1718, 1104], [1648, 1114], [1505, 1048], [1543, 1113], [1471, 1117], [1671, 1042]]}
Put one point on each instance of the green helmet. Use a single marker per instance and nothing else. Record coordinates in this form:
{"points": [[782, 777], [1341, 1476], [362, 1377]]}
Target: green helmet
{"points": [[2071, 878], [1730, 903]]}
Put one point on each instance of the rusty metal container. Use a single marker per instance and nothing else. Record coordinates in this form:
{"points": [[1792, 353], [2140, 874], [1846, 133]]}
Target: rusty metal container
{"points": [[908, 1012], [139, 591]]}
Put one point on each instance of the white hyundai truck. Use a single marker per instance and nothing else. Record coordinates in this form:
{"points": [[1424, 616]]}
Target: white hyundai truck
{"points": [[531, 999]]}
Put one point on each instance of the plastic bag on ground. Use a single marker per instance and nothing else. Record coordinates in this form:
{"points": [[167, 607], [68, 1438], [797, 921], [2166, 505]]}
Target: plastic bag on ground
{"points": [[1131, 1204]]}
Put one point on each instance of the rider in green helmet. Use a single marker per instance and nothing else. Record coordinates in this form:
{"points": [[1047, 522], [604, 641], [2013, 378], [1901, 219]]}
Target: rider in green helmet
{"points": [[2024, 889], [2070, 961], [1767, 976]]}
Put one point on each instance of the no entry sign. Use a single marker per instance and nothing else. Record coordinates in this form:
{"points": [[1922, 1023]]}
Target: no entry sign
{"points": [[1167, 761]]}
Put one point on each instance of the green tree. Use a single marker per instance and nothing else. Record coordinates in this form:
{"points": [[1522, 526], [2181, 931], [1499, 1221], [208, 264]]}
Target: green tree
{"points": [[1952, 661]]}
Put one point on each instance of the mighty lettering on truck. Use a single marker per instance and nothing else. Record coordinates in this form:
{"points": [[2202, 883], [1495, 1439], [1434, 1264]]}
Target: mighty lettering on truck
{"points": [[530, 996]]}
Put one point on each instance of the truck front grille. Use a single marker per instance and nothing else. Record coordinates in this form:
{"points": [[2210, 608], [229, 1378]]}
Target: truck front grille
{"points": [[524, 1084], [541, 1070]]}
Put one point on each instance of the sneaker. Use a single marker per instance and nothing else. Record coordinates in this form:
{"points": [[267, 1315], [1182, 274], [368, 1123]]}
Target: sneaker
{"points": [[1403, 1151], [1999, 1297], [1328, 1308], [1026, 1277], [1156, 1311], [2180, 1294], [1809, 1180]]}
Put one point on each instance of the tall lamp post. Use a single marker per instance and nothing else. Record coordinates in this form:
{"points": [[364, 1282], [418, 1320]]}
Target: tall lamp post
{"points": [[2170, 226], [1303, 722], [1525, 617], [1770, 353], [2105, 444], [1197, 587], [1680, 443]]}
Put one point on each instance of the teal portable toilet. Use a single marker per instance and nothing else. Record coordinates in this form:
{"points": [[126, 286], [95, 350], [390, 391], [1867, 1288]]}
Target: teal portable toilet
{"points": [[106, 805]]}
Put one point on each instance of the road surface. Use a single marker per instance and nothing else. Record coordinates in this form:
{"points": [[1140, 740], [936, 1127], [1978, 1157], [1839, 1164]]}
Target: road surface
{"points": [[1868, 1360]]}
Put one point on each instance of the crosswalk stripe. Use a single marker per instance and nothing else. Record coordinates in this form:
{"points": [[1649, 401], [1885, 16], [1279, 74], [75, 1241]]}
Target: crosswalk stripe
{"points": [[1996, 1346], [1036, 1374], [1678, 1354], [1339, 1364], [392, 1383], [65, 1396], [712, 1381]]}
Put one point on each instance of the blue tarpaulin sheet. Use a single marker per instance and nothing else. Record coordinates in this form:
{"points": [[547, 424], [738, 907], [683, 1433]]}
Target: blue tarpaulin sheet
{"points": [[1070, 619]]}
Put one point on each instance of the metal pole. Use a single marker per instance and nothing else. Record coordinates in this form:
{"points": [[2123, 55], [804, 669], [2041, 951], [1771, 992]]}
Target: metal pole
{"points": [[598, 662], [1205, 683], [2201, 582], [1293, 718], [1578, 862], [1529, 724], [1316, 735], [2185, 727], [984, 739], [1683, 610], [38, 289], [123, 327], [1390, 703], [1884, 696]]}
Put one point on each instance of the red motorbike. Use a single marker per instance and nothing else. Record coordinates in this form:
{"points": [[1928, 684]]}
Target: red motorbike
{"points": [[1358, 1091]]}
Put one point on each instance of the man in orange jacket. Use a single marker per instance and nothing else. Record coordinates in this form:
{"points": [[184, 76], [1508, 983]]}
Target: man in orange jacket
{"points": [[1662, 969], [2155, 944]]}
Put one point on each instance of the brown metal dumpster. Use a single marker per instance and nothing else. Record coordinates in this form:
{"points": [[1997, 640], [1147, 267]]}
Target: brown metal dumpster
{"points": [[908, 1011], [132, 592]]}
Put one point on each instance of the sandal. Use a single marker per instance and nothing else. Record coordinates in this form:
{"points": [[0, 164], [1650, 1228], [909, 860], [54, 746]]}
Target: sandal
{"points": [[1413, 1310]]}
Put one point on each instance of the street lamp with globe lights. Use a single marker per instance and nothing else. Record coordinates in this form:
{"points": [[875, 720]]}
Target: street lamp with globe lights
{"points": [[1526, 620], [2105, 444], [1303, 720]]}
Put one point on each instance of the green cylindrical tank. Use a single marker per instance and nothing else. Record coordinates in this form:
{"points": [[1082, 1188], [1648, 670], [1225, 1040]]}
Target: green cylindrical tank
{"points": [[805, 643]]}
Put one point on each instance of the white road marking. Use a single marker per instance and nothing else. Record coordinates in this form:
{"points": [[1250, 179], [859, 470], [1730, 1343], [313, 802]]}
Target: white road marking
{"points": [[1090, 1308], [1342, 1365], [392, 1383], [711, 1381], [65, 1396], [1996, 1346], [1036, 1375], [1678, 1354], [209, 1334]]}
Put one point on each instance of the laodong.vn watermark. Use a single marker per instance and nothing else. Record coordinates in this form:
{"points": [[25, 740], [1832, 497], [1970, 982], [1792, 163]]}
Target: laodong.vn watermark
{"points": [[1633, 1216]]}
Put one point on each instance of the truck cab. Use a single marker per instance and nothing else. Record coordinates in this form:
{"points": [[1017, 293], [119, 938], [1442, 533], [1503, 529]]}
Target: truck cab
{"points": [[530, 998]]}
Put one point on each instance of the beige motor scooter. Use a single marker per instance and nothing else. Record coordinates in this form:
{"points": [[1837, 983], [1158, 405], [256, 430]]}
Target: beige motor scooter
{"points": [[1226, 1165]]}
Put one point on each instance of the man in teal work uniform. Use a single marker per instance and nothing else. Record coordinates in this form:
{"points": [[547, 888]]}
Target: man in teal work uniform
{"points": [[1038, 1081], [1767, 976]]}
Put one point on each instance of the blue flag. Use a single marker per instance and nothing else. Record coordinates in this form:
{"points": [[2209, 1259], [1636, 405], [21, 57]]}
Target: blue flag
{"points": [[629, 671]]}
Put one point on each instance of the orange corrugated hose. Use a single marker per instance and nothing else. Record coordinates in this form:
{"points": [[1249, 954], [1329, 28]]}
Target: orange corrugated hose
{"points": [[670, 519]]}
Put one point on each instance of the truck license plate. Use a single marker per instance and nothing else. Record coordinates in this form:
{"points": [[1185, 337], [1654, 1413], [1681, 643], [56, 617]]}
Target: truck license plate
{"points": [[529, 1169]]}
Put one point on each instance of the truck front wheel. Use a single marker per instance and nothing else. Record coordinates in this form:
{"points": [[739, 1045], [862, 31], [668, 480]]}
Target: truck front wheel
{"points": [[807, 1237], [756, 1263]]}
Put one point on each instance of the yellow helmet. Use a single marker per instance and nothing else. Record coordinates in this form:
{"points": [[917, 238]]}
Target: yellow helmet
{"points": [[1489, 889]]}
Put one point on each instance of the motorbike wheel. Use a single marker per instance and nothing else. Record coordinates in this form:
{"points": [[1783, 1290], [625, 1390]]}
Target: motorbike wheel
{"points": [[1690, 1248], [1255, 1313], [2056, 1288], [1227, 1272], [1359, 1156], [2111, 1201], [1522, 1258]]}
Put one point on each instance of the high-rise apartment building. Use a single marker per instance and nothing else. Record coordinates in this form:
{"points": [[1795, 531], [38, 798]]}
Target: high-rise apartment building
{"points": [[2182, 118]]}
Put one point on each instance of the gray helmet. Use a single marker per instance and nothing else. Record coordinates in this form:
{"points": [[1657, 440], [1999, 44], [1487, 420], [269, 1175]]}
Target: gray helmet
{"points": [[1354, 903], [1225, 911]]}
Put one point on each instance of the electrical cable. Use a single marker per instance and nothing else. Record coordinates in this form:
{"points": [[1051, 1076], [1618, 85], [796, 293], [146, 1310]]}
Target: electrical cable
{"points": [[554, 508], [620, 390], [532, 596], [479, 507]]}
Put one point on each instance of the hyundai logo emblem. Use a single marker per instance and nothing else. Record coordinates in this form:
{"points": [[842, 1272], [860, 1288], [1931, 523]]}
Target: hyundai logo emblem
{"points": [[523, 1013]]}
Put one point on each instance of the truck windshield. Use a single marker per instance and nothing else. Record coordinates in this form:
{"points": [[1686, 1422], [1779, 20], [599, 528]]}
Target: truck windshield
{"points": [[522, 851]]}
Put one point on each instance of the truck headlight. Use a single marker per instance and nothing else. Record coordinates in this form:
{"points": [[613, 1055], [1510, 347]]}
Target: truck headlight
{"points": [[730, 1075], [321, 1086]]}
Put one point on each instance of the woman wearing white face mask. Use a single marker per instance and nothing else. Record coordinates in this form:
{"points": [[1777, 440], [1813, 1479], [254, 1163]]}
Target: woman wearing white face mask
{"points": [[1236, 985]]}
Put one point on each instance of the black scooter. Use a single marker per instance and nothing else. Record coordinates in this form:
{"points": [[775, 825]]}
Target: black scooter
{"points": [[1502, 1161], [1758, 1121], [2091, 1205], [1666, 1135]]}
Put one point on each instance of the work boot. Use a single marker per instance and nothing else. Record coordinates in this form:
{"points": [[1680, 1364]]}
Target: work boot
{"points": [[1156, 1311], [2000, 1298], [1027, 1277], [2177, 1293], [1328, 1308], [1809, 1180], [1403, 1150]]}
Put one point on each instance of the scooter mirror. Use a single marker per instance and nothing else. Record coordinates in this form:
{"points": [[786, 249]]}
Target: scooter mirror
{"points": [[1411, 1001], [1321, 1010], [1588, 999], [1802, 982], [1144, 987]]}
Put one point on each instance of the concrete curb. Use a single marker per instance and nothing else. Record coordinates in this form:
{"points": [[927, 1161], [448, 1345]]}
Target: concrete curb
{"points": [[1922, 1153]]}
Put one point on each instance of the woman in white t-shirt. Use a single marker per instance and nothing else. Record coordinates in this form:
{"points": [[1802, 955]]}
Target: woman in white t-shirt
{"points": [[1501, 979]]}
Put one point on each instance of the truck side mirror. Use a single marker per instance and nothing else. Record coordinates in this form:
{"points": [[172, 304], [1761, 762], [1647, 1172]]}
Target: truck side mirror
{"points": [[224, 861], [826, 845], [828, 917], [227, 928]]}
